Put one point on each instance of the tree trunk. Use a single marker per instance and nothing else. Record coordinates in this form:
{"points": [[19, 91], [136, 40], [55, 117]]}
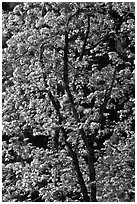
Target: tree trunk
{"points": [[92, 173], [79, 174]]}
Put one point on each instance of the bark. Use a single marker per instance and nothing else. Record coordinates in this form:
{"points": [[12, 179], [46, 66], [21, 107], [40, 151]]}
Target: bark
{"points": [[92, 173], [79, 176], [74, 157]]}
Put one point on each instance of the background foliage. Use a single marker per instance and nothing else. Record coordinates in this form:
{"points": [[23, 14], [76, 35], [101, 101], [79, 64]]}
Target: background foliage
{"points": [[98, 39]]}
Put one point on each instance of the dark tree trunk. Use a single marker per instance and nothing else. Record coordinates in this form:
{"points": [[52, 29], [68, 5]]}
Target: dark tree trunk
{"points": [[91, 167], [92, 175], [81, 181]]}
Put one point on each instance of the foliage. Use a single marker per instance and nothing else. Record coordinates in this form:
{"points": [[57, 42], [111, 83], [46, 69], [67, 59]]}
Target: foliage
{"points": [[68, 102]]}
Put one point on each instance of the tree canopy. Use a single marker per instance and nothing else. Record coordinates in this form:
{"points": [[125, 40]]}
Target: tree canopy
{"points": [[68, 101]]}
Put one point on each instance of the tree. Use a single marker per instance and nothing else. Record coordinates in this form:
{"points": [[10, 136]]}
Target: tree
{"points": [[68, 87]]}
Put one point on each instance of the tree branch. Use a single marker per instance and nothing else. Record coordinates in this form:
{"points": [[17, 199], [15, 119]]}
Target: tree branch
{"points": [[65, 77], [41, 50], [77, 168], [92, 173], [57, 107], [70, 149], [71, 16], [107, 96], [73, 155], [85, 41]]}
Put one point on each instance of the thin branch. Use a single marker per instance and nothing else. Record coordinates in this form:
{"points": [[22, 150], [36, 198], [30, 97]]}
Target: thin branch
{"points": [[65, 77], [111, 145], [84, 137], [85, 41], [107, 96], [71, 16], [56, 105], [41, 50]]}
